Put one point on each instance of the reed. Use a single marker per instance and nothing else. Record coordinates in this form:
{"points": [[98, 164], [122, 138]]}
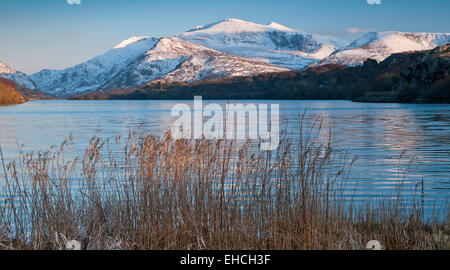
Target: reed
{"points": [[146, 192]]}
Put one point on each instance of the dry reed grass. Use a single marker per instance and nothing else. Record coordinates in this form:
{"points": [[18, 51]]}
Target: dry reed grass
{"points": [[157, 193]]}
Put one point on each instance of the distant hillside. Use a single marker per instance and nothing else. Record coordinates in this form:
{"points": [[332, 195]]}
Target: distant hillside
{"points": [[18, 77], [403, 77], [9, 94]]}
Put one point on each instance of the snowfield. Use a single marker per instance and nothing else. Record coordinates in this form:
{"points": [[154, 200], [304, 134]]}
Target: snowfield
{"points": [[380, 46], [273, 43]]}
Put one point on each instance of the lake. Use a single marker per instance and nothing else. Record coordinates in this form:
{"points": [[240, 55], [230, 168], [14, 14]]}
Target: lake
{"points": [[384, 137]]}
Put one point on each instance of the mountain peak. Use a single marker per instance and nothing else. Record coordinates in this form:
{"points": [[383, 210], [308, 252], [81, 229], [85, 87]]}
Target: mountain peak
{"points": [[91, 75], [235, 20], [18, 77], [279, 27], [4, 68], [233, 25], [129, 41], [271, 43]]}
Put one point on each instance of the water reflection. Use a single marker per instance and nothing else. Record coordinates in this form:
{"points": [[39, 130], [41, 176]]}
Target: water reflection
{"points": [[385, 137]]}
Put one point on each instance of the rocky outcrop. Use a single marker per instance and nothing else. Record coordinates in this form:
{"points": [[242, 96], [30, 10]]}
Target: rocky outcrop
{"points": [[430, 68]]}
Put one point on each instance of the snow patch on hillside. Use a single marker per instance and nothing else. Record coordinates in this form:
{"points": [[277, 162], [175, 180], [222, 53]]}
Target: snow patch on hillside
{"points": [[381, 45]]}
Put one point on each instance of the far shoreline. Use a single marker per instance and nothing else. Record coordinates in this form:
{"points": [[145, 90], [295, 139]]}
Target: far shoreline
{"points": [[243, 99]]}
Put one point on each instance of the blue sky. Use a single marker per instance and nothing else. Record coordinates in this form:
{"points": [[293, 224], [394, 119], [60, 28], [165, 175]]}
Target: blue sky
{"points": [[53, 34]]}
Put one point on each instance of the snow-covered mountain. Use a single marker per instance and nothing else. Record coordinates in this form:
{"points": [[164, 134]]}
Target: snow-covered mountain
{"points": [[273, 43], [269, 48], [227, 48], [16, 76], [93, 74], [381, 45], [175, 60]]}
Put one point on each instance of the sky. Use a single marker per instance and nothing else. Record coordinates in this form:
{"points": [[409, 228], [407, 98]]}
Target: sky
{"points": [[53, 34]]}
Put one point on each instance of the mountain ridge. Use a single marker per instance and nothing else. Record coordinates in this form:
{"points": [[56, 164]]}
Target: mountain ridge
{"points": [[380, 45], [91, 75], [270, 47], [273, 43]]}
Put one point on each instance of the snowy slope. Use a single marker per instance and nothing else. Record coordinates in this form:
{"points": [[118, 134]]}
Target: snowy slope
{"points": [[272, 43], [381, 45], [173, 59], [91, 75], [5, 69], [16, 76]]}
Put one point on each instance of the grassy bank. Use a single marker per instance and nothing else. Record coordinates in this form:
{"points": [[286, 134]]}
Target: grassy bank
{"points": [[156, 193], [9, 94]]}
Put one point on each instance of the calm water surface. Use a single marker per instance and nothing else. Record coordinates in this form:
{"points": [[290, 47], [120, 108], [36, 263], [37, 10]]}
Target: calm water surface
{"points": [[377, 134]]}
